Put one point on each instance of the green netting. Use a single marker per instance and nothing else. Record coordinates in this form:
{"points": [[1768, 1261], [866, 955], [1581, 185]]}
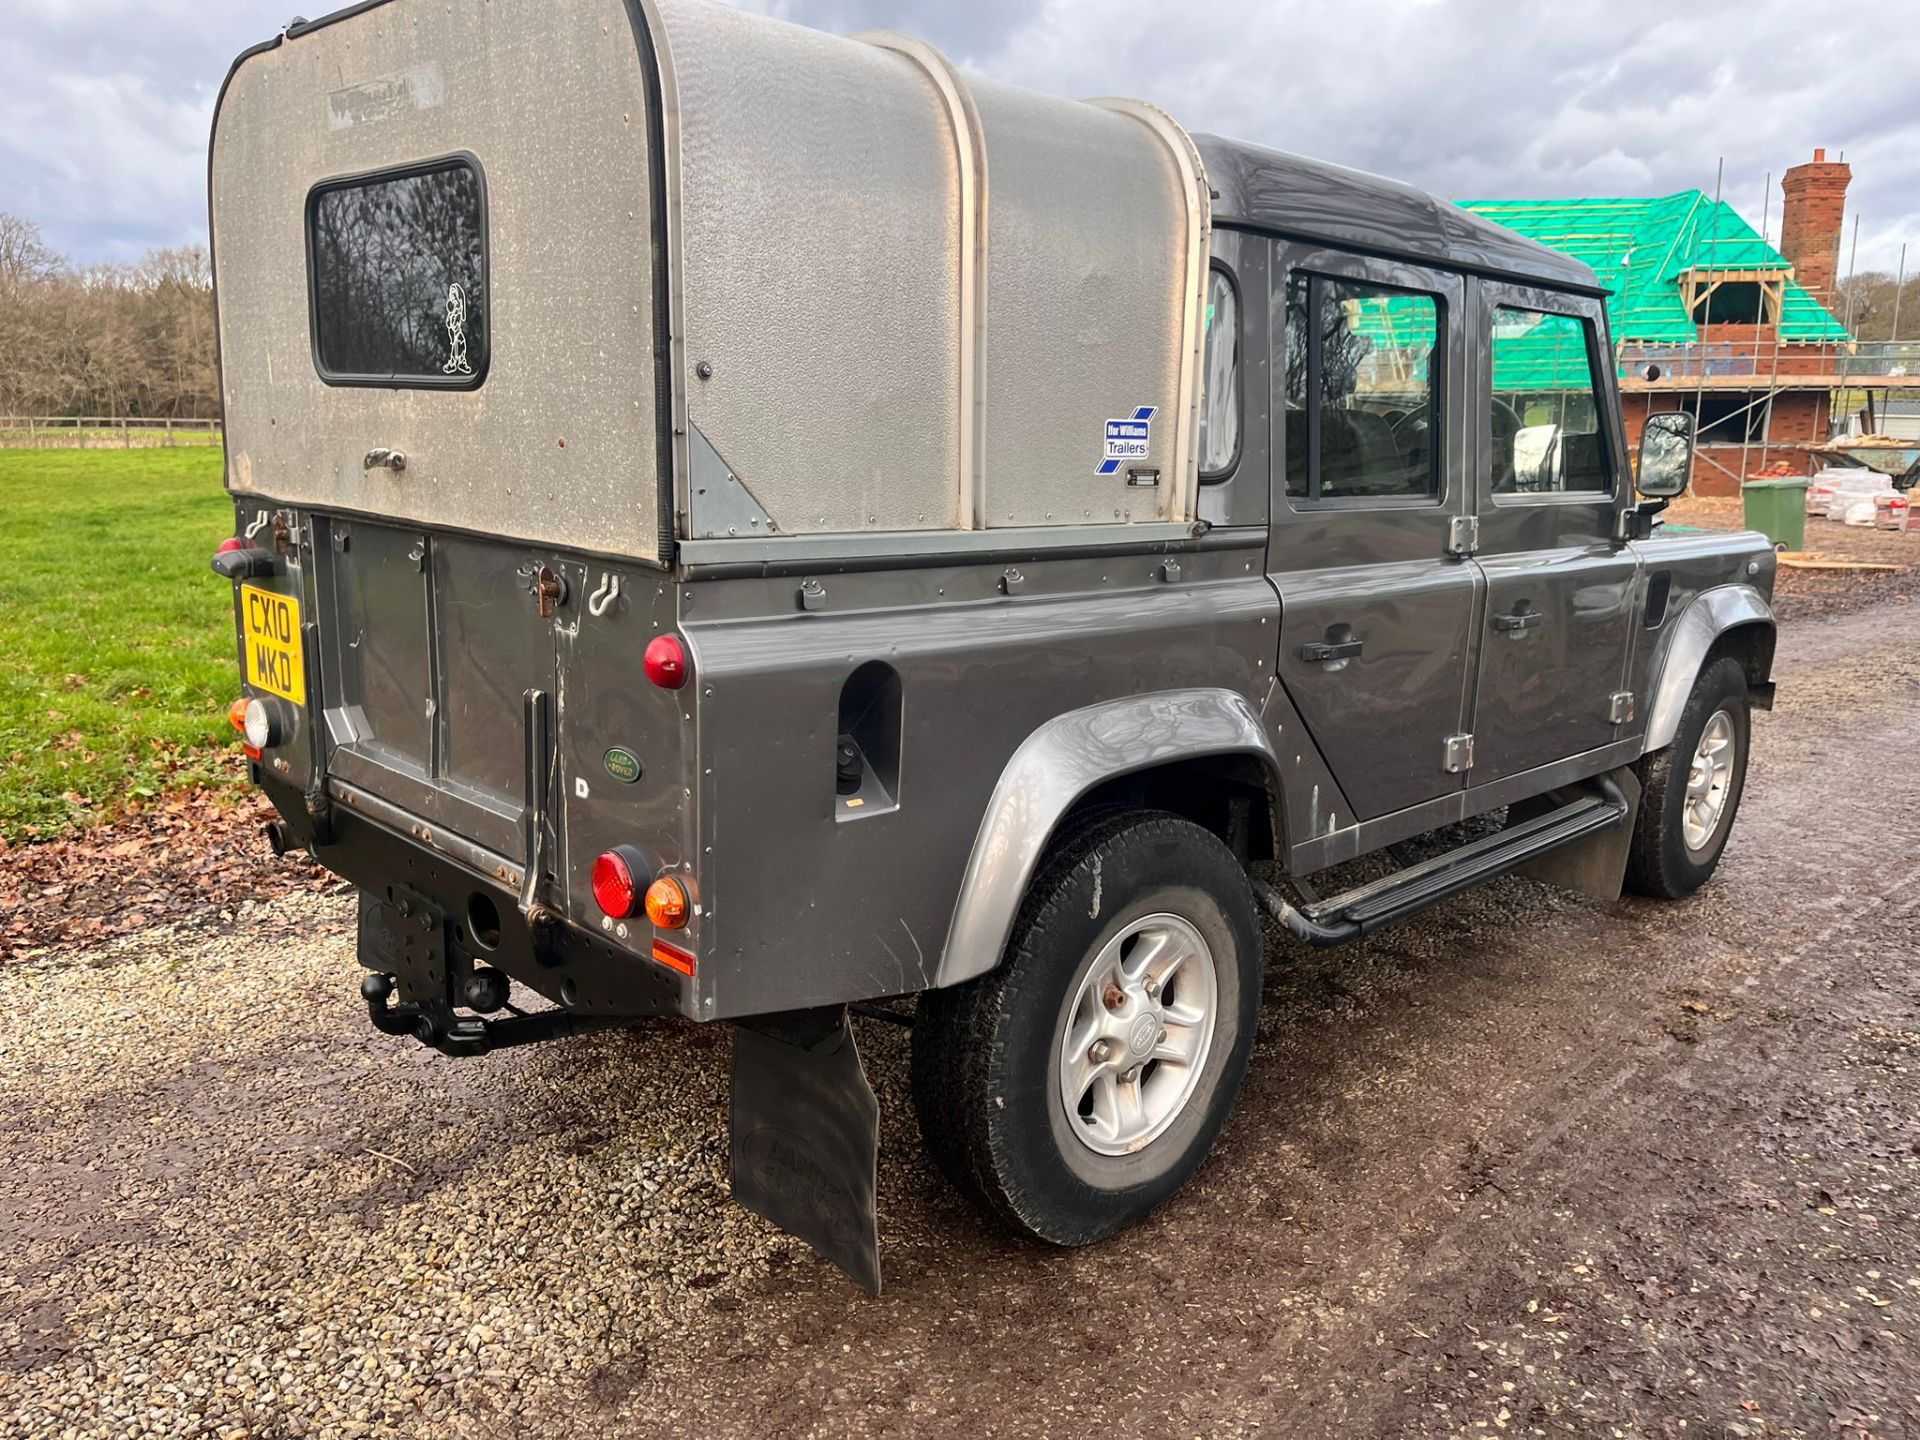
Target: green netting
{"points": [[1399, 330], [1640, 247], [1533, 351]]}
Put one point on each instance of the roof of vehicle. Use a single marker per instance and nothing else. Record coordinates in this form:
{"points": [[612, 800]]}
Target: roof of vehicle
{"points": [[1271, 190], [1639, 246]]}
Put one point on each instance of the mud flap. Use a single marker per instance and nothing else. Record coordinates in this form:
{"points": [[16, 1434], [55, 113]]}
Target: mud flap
{"points": [[806, 1135], [1597, 865]]}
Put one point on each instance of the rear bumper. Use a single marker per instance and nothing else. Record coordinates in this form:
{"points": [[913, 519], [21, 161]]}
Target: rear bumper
{"points": [[575, 969]]}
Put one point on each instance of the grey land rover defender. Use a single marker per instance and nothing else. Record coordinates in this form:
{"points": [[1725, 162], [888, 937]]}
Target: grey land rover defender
{"points": [[740, 523]]}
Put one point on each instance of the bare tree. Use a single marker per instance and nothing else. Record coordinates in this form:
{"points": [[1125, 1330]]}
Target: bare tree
{"points": [[1869, 297], [107, 340], [25, 259]]}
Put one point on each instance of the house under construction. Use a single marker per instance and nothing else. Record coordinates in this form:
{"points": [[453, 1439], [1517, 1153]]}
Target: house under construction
{"points": [[1708, 317]]}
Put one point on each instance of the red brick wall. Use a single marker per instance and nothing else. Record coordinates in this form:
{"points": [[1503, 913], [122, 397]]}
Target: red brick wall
{"points": [[1746, 339], [1814, 207], [1758, 342], [1799, 416]]}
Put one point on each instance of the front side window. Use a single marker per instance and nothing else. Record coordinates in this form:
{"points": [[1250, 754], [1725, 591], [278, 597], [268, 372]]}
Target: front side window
{"points": [[1546, 406], [1362, 406], [1220, 371], [399, 277]]}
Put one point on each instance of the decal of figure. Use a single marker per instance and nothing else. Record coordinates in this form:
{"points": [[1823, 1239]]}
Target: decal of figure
{"points": [[457, 362]]}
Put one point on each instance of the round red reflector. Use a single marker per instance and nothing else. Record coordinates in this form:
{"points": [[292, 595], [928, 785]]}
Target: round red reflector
{"points": [[613, 887], [666, 662], [231, 543]]}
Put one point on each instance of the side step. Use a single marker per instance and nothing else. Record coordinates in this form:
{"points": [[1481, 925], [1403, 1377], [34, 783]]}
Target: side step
{"points": [[1367, 908]]}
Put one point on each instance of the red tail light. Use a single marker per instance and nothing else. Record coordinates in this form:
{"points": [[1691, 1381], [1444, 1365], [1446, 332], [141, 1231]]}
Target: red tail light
{"points": [[614, 889], [666, 662], [230, 544]]}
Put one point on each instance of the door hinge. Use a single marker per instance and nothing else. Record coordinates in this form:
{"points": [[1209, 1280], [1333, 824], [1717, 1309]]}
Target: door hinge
{"points": [[1463, 534], [1458, 754], [1620, 707]]}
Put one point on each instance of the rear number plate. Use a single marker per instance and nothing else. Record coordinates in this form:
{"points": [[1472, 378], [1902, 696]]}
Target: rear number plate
{"points": [[271, 625]]}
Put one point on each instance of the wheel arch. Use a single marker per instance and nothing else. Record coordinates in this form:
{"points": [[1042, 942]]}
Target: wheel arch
{"points": [[1193, 752], [1726, 620]]}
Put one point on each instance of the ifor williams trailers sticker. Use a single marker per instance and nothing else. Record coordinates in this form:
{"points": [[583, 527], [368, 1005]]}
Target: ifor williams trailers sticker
{"points": [[1128, 439]]}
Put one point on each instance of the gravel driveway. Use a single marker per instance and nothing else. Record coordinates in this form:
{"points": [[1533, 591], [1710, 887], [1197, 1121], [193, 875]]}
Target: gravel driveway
{"points": [[1528, 1165]]}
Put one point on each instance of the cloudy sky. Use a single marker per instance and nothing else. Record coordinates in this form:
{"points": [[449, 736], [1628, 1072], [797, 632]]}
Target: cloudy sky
{"points": [[104, 104]]}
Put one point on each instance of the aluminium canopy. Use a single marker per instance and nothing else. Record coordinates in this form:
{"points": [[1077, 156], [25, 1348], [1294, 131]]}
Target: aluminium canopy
{"points": [[831, 284]]}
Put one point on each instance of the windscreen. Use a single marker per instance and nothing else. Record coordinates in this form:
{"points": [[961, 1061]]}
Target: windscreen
{"points": [[399, 269]]}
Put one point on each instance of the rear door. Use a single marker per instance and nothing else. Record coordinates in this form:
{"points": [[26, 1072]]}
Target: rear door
{"points": [[1376, 613], [1557, 622], [431, 645]]}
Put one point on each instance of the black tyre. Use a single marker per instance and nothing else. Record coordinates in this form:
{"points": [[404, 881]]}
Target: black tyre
{"points": [[1690, 791], [1073, 1089]]}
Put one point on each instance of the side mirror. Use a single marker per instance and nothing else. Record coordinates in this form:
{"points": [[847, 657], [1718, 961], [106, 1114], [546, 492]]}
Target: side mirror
{"points": [[1666, 454]]}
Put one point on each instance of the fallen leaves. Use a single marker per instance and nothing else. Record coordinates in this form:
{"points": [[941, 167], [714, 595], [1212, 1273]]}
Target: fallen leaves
{"points": [[193, 855]]}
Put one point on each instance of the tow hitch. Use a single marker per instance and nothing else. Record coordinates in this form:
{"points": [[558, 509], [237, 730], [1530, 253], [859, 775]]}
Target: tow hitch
{"points": [[403, 942], [441, 1028]]}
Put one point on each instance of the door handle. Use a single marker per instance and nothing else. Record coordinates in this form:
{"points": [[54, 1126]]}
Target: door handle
{"points": [[1518, 621], [1323, 650]]}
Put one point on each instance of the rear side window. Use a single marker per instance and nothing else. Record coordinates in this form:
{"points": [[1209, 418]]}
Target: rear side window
{"points": [[398, 268], [1362, 406], [1545, 423], [1220, 405]]}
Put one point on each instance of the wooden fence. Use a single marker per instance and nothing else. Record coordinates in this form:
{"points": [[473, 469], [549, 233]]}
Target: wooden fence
{"points": [[104, 432]]}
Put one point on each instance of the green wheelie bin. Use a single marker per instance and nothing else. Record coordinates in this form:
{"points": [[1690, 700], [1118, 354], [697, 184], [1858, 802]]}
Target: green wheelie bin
{"points": [[1777, 508]]}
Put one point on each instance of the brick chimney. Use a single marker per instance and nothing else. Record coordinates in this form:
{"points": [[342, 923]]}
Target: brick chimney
{"points": [[1810, 222]]}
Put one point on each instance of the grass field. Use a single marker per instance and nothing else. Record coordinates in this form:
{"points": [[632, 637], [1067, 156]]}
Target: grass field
{"points": [[116, 640]]}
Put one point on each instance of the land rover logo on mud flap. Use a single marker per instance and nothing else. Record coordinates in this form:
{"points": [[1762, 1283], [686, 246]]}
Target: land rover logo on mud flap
{"points": [[457, 362], [623, 765]]}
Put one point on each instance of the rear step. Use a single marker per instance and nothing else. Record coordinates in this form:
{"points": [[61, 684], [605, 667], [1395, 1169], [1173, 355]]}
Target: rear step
{"points": [[1367, 908]]}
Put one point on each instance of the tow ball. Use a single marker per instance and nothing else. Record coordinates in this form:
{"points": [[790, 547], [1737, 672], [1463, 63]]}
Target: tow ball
{"points": [[432, 1025], [439, 1028]]}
